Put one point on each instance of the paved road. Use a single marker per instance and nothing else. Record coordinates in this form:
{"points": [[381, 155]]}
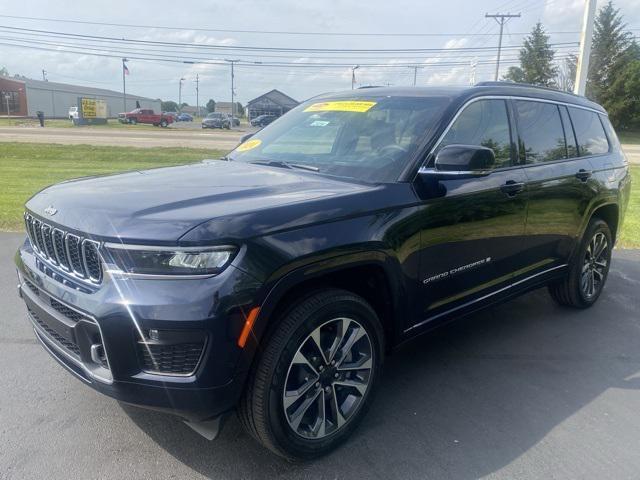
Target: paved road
{"points": [[524, 390], [133, 136], [185, 135]]}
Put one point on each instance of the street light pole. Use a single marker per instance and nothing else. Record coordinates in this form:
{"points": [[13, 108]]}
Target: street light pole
{"points": [[585, 47], [6, 97], [124, 85], [197, 96], [180, 94], [353, 76], [232, 62], [501, 18]]}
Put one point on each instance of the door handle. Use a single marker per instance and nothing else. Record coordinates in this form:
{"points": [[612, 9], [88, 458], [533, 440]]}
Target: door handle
{"points": [[512, 188], [584, 175]]}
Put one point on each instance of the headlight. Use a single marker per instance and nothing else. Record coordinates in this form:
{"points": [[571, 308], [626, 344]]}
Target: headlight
{"points": [[149, 260]]}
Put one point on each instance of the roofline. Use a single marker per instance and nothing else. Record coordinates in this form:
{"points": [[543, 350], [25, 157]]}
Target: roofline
{"points": [[273, 90]]}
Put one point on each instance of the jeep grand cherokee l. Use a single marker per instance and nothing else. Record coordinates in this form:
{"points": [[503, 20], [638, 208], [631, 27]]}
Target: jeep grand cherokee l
{"points": [[273, 281]]}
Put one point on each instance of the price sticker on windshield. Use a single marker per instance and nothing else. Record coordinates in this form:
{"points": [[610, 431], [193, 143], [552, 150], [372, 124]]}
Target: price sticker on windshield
{"points": [[341, 106], [249, 145]]}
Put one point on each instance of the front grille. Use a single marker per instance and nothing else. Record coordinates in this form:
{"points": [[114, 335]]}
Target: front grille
{"points": [[176, 359], [67, 344], [75, 255]]}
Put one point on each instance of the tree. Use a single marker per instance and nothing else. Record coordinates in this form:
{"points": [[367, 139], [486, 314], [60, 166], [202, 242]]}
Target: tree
{"points": [[211, 105], [239, 109], [4, 71], [169, 106], [536, 60], [623, 97], [566, 74], [611, 43], [184, 104]]}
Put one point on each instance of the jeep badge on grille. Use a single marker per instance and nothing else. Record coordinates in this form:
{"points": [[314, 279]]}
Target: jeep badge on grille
{"points": [[50, 210]]}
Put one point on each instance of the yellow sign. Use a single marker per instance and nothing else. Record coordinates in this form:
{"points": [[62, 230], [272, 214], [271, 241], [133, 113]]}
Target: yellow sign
{"points": [[249, 145], [92, 108], [341, 106]]}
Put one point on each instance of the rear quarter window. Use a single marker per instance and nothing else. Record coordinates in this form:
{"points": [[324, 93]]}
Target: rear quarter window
{"points": [[590, 134]]}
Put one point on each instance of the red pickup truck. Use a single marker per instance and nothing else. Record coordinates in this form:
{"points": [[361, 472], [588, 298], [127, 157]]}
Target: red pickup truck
{"points": [[143, 115]]}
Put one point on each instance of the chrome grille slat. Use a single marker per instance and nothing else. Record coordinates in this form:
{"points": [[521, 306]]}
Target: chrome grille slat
{"points": [[70, 253]]}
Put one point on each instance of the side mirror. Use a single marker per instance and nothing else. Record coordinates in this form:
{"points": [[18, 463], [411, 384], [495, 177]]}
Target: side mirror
{"points": [[461, 161], [246, 137]]}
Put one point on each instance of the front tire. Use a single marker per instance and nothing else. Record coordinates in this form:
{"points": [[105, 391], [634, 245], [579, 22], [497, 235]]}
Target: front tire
{"points": [[588, 270], [315, 378]]}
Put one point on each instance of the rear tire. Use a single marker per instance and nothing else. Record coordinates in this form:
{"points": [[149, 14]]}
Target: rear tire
{"points": [[588, 270], [133, 121], [300, 401], [163, 123]]}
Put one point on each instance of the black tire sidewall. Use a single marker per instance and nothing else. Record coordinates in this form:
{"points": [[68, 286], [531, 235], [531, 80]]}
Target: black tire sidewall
{"points": [[284, 437]]}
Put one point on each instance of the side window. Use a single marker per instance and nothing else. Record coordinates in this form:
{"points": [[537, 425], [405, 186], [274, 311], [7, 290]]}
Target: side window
{"points": [[485, 123], [589, 132], [540, 131], [572, 147]]}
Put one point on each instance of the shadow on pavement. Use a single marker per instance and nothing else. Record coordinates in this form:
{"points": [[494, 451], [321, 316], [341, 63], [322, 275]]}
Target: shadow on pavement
{"points": [[462, 402]]}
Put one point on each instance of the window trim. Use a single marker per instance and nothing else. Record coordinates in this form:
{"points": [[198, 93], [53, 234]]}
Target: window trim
{"points": [[426, 157]]}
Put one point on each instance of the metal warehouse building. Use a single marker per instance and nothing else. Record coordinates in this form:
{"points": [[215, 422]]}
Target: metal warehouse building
{"points": [[27, 96], [271, 103]]}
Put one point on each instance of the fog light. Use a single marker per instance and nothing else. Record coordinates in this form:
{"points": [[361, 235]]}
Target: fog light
{"points": [[154, 335]]}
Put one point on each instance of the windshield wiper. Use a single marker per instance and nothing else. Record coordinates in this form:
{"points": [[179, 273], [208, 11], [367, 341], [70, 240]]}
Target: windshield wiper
{"points": [[283, 164]]}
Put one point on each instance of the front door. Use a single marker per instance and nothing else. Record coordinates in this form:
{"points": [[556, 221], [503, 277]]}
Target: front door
{"points": [[471, 235]]}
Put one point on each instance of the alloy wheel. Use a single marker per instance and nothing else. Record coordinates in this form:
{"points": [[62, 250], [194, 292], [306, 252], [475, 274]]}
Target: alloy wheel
{"points": [[328, 378], [594, 266]]}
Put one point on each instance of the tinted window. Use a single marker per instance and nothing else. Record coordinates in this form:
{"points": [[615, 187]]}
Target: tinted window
{"points": [[485, 123], [572, 147], [540, 130], [589, 132]]}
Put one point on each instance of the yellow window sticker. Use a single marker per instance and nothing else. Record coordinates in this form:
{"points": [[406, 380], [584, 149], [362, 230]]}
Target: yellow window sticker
{"points": [[249, 145], [341, 106]]}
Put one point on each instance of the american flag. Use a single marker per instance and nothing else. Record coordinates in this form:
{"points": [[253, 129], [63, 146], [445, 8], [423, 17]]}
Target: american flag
{"points": [[124, 67]]}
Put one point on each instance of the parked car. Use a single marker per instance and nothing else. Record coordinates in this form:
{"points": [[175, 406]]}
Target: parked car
{"points": [[144, 115], [184, 117], [216, 120], [274, 283], [73, 113], [262, 120]]}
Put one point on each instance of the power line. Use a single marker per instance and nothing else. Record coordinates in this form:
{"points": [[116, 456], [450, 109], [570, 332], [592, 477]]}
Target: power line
{"points": [[256, 48], [501, 18], [261, 32]]}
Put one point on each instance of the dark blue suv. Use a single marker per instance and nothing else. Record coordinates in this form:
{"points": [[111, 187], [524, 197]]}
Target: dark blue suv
{"points": [[273, 281]]}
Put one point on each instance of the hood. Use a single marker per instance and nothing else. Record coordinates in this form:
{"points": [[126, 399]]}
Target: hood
{"points": [[163, 204]]}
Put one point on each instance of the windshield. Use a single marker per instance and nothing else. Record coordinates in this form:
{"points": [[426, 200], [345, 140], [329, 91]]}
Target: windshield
{"points": [[371, 140]]}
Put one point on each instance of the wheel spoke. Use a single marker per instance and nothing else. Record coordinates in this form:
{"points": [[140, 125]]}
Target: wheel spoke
{"points": [[364, 364], [315, 336], [292, 396], [601, 264], [297, 416], [598, 273], [341, 332], [361, 386], [300, 359], [337, 414], [322, 426], [356, 334]]}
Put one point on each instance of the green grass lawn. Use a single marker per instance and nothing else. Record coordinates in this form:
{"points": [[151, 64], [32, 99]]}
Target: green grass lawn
{"points": [[629, 137], [26, 168]]}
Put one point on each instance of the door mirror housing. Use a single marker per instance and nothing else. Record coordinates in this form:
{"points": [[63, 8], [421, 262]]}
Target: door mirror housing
{"points": [[461, 161], [246, 137]]}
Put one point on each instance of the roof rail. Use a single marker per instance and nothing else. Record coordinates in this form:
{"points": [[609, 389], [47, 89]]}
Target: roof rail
{"points": [[523, 85]]}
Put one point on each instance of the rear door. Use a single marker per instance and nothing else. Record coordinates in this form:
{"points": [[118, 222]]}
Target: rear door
{"points": [[558, 175], [471, 236]]}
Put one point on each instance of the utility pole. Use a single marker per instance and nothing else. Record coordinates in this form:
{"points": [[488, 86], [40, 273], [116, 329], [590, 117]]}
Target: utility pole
{"points": [[415, 73], [472, 72], [586, 36], [44, 75], [232, 62], [197, 95], [124, 84], [501, 18], [180, 94], [353, 76]]}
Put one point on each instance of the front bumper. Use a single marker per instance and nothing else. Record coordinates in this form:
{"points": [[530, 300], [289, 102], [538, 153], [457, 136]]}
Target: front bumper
{"points": [[98, 334]]}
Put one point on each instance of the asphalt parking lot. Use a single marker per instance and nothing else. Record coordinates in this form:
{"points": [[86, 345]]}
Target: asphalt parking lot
{"points": [[523, 390]]}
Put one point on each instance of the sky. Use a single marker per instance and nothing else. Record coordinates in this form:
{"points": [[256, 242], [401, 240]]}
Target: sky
{"points": [[450, 27]]}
